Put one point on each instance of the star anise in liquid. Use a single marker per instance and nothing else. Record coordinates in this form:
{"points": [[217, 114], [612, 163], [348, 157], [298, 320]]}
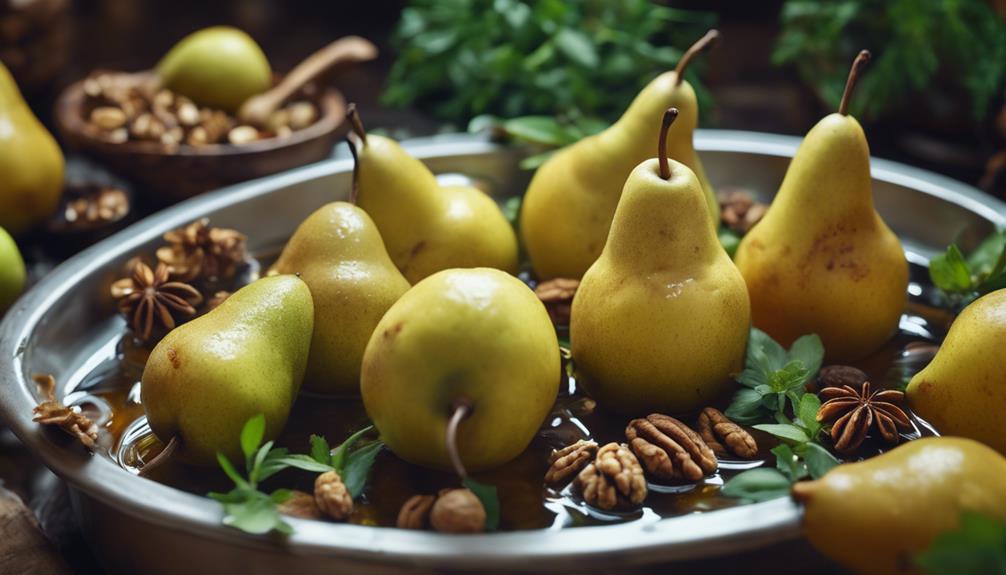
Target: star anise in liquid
{"points": [[150, 299], [853, 412]]}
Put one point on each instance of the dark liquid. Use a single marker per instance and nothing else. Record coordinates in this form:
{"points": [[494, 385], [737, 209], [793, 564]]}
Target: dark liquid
{"points": [[525, 502]]}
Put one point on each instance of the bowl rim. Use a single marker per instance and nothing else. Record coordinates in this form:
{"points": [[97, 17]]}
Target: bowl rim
{"points": [[646, 540], [71, 125]]}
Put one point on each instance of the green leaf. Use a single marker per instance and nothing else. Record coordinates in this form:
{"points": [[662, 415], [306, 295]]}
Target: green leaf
{"points": [[989, 254], [765, 353], [306, 463], [273, 463], [253, 473], [818, 459], [792, 376], [950, 272], [257, 515], [761, 484], [809, 351], [729, 240], [978, 547], [788, 463], [577, 46], [807, 414], [320, 450], [251, 437], [339, 455], [745, 407], [280, 496], [231, 472], [533, 162], [543, 130], [784, 431], [490, 501], [511, 209], [357, 467]]}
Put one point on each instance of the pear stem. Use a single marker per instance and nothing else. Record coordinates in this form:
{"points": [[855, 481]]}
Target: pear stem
{"points": [[357, 124], [665, 168], [704, 42], [462, 409], [161, 457], [354, 191], [857, 65]]}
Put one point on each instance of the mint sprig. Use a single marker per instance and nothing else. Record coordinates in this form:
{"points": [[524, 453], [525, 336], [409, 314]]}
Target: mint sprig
{"points": [[962, 279], [978, 547], [352, 465]]}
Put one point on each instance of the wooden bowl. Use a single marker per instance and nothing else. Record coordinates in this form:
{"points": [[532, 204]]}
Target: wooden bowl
{"points": [[167, 174]]}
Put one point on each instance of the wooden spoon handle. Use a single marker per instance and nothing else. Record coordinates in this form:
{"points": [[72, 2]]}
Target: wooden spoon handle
{"points": [[344, 51]]}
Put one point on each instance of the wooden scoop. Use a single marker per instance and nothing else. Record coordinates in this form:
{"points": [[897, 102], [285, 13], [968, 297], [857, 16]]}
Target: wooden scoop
{"points": [[344, 51]]}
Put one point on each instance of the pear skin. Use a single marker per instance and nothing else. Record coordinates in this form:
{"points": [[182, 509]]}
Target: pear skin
{"points": [[875, 515], [477, 335], [12, 271], [209, 376], [30, 161], [426, 227], [339, 253], [822, 260], [219, 67], [963, 389], [660, 321], [568, 207]]}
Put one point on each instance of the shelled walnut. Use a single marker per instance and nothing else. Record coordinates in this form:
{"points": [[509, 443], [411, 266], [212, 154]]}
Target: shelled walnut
{"points": [[565, 463], [669, 449], [450, 511], [332, 497], [614, 480]]}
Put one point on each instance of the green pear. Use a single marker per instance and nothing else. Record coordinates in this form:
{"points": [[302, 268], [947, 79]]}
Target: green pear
{"points": [[31, 163], [963, 390], [12, 272], [339, 253], [661, 320], [822, 260], [875, 515], [569, 204], [477, 337], [209, 376], [426, 227], [219, 67]]}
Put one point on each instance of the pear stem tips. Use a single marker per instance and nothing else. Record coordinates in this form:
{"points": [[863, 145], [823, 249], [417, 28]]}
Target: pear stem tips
{"points": [[704, 42], [669, 116], [857, 65], [357, 124], [161, 457], [462, 409], [354, 191]]}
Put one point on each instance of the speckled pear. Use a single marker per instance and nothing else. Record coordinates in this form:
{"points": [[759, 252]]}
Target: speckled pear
{"points": [[209, 376], [822, 260], [661, 320], [963, 390], [339, 253], [875, 515], [427, 227], [569, 204]]}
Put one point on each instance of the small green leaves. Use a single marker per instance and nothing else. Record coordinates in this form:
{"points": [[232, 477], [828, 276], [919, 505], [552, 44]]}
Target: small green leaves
{"points": [[756, 485], [950, 272], [320, 450], [773, 376], [977, 548], [251, 437], [964, 279], [785, 431], [729, 240], [357, 467], [490, 501]]}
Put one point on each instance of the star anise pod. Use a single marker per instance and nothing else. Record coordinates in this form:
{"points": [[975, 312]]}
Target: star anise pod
{"points": [[855, 411], [149, 298], [199, 251]]}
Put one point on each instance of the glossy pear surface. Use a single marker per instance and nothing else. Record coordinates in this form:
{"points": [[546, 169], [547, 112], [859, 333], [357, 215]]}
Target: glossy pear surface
{"points": [[339, 253], [568, 207], [873, 516], [12, 272], [661, 320], [963, 390], [31, 164], [478, 335], [426, 227], [209, 376], [822, 260], [219, 67]]}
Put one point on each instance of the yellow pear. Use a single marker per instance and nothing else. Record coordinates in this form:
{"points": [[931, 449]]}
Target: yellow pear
{"points": [[426, 227], [475, 339], [875, 515], [569, 204], [12, 272], [339, 253], [209, 376], [31, 164], [661, 320], [963, 390], [822, 260]]}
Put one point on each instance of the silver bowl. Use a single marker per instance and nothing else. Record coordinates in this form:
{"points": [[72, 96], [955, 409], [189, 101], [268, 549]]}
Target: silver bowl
{"points": [[138, 525]]}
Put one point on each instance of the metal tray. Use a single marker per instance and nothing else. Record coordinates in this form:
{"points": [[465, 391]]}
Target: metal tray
{"points": [[142, 526]]}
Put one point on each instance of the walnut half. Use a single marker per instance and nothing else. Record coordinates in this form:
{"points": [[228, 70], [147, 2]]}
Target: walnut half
{"points": [[565, 463], [614, 480], [725, 437], [670, 449]]}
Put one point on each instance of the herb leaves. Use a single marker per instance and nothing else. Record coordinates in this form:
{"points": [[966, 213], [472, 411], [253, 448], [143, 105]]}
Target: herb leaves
{"points": [[962, 279], [977, 548]]}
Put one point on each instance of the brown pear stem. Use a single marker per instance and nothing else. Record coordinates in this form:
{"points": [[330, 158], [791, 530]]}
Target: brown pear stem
{"points": [[704, 42], [857, 65], [665, 168], [462, 409], [357, 124], [354, 191], [161, 457]]}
